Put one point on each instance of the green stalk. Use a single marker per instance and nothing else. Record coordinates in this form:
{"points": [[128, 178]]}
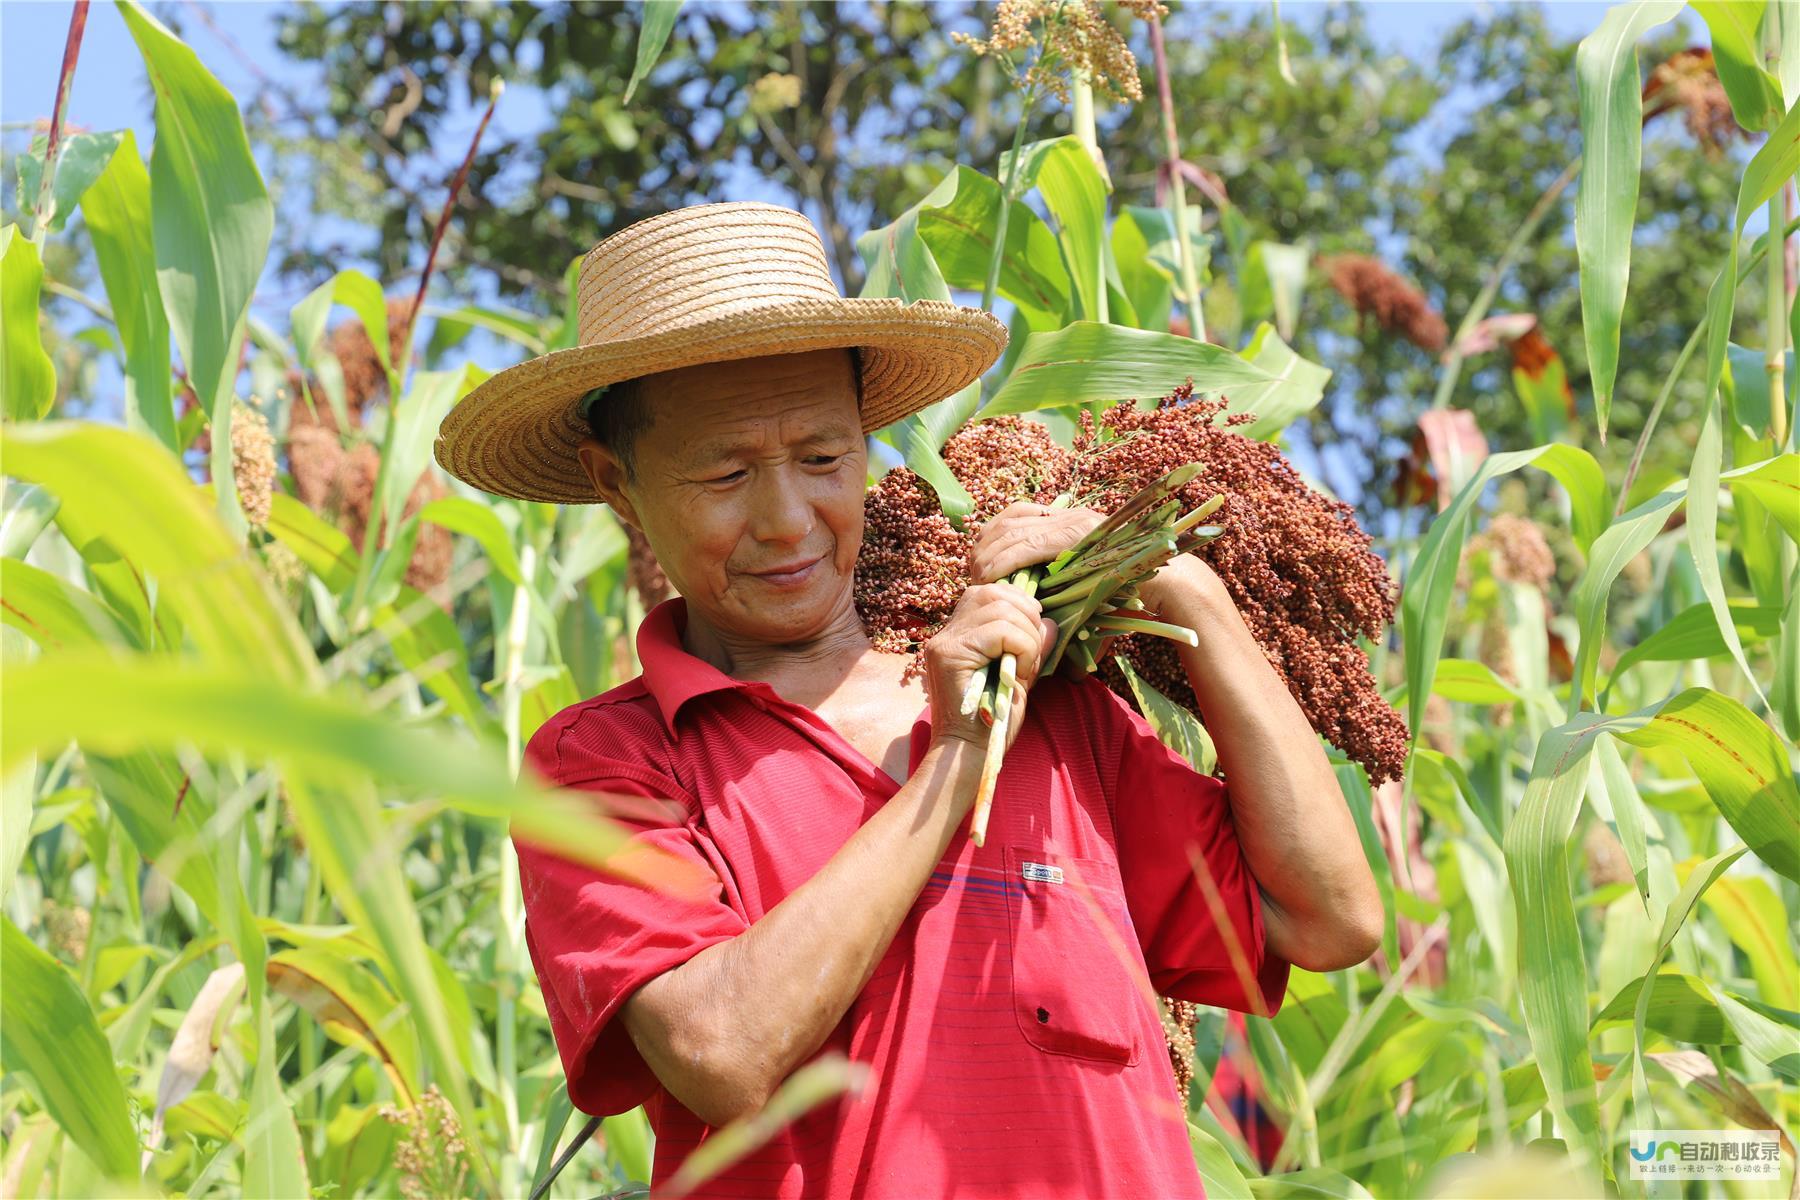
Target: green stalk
{"points": [[1109, 623], [1102, 588], [1149, 496], [506, 950], [1775, 343]]}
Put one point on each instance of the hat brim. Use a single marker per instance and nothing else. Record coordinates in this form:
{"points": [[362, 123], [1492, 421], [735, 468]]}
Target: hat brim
{"points": [[516, 433]]}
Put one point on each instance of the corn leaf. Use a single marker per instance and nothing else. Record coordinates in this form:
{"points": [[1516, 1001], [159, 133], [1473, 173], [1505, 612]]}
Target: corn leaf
{"points": [[1088, 361], [1075, 194], [1294, 388], [1612, 113], [1703, 535], [274, 1165], [1694, 633], [1755, 94], [1753, 916]]}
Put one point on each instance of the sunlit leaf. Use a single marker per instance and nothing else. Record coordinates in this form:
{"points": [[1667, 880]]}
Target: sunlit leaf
{"points": [[29, 375], [1612, 114]]}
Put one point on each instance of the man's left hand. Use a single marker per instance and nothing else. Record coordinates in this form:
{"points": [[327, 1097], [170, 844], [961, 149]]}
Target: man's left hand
{"points": [[1023, 535]]}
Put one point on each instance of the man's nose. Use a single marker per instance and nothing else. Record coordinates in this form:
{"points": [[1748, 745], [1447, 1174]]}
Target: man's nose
{"points": [[783, 510]]}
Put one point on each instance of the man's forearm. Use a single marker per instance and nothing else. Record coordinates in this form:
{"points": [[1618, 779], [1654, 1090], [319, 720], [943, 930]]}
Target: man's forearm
{"points": [[1322, 910], [726, 1027]]}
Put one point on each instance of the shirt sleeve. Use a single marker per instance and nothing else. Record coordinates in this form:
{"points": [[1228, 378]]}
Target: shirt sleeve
{"points": [[1173, 824], [594, 938]]}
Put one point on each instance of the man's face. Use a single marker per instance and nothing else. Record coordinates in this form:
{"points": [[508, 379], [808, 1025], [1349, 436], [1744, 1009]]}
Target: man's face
{"points": [[746, 468]]}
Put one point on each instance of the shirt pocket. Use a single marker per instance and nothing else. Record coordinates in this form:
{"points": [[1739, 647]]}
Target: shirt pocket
{"points": [[1072, 945]]}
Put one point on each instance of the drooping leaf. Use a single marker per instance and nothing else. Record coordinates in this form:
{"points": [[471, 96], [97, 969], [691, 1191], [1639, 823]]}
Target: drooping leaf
{"points": [[659, 21], [1755, 94], [1294, 388], [1694, 633], [354, 1007], [274, 1165], [1703, 535], [1743, 766], [1088, 361], [1612, 114]]}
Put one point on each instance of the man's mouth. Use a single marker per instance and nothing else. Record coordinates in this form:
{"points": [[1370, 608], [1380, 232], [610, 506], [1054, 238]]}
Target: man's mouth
{"points": [[791, 574]]}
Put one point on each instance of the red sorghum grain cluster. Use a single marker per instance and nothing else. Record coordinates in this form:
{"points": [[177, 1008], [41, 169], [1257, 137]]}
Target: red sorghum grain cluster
{"points": [[1688, 80], [1296, 563], [1374, 290], [1517, 550], [337, 480]]}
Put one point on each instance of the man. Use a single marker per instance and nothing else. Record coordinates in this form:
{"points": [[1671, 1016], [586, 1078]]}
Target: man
{"points": [[1002, 997]]}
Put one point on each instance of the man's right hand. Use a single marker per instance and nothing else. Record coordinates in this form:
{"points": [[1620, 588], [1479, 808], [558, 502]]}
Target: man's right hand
{"points": [[991, 619]]}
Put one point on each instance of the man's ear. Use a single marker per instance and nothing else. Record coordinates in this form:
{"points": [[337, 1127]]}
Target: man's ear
{"points": [[608, 476]]}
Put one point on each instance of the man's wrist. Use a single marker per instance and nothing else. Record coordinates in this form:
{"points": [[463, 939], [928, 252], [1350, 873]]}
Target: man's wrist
{"points": [[1184, 586]]}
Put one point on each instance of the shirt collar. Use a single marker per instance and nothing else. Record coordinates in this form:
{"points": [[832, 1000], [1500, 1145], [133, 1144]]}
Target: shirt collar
{"points": [[671, 674]]}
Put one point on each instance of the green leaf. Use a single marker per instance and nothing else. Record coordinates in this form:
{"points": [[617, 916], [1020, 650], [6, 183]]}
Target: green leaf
{"points": [[1466, 681], [1431, 581], [117, 213], [459, 514], [1147, 283], [1274, 282], [274, 1165], [1777, 484], [1219, 1175], [1612, 114], [1743, 766], [1294, 388], [29, 375], [356, 292], [1075, 194], [902, 266], [80, 157], [1703, 535], [1621, 542], [126, 490], [956, 222], [1768, 1041], [1088, 361], [1785, 695], [212, 221], [1552, 966], [1314, 1183], [1175, 726], [1753, 916], [659, 22], [1735, 26], [1679, 1007], [48, 1032], [1694, 633], [1771, 167]]}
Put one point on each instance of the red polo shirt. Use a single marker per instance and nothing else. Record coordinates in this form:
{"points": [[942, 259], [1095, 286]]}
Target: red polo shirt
{"points": [[1011, 1031]]}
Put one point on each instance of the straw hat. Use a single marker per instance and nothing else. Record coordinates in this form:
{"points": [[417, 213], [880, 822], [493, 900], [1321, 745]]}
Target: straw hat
{"points": [[707, 283]]}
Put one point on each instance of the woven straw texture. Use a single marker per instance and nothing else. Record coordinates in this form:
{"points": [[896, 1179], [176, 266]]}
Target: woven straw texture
{"points": [[708, 283]]}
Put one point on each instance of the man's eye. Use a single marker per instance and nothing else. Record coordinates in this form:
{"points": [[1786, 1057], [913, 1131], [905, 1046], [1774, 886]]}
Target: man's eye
{"points": [[824, 459], [735, 475]]}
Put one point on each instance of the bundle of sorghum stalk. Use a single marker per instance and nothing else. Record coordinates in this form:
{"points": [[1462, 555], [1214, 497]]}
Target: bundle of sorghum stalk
{"points": [[1295, 562]]}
